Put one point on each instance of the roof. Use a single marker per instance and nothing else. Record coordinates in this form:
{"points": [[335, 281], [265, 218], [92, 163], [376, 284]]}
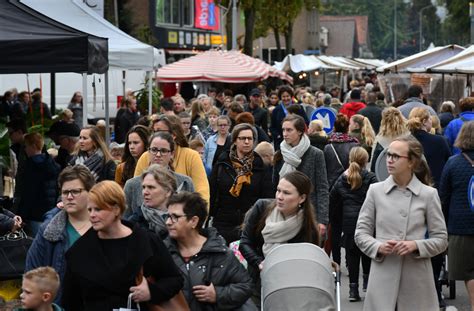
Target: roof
{"points": [[361, 25]]}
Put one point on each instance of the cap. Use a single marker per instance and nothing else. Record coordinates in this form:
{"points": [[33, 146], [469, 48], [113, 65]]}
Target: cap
{"points": [[62, 128], [254, 92]]}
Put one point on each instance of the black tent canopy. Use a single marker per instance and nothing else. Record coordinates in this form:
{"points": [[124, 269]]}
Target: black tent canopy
{"points": [[33, 43]]}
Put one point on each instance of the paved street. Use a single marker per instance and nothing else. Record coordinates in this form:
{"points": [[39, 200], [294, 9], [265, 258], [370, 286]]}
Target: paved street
{"points": [[461, 303]]}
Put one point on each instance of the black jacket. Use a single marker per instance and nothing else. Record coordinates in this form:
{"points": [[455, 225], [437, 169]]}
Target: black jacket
{"points": [[91, 285], [318, 141], [374, 114], [348, 202], [231, 281], [228, 211], [124, 121], [342, 148], [260, 115]]}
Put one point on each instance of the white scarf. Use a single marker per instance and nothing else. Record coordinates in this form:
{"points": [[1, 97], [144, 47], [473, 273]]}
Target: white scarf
{"points": [[292, 155], [279, 230]]}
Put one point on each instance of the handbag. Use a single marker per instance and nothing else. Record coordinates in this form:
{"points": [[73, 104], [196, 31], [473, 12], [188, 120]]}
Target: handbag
{"points": [[129, 305], [176, 303], [13, 249]]}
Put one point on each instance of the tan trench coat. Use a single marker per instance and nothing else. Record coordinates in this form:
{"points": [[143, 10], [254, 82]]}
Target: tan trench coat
{"points": [[392, 213]]}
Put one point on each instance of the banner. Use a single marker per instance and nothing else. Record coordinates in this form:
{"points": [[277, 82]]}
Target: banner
{"points": [[206, 15]]}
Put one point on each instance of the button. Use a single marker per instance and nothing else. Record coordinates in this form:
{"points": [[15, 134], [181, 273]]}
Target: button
{"points": [[403, 213], [407, 193]]}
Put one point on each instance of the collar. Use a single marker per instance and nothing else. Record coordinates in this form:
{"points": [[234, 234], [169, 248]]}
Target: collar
{"points": [[414, 185]]}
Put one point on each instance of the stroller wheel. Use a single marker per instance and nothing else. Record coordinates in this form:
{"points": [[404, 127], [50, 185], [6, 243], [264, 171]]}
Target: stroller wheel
{"points": [[452, 289]]}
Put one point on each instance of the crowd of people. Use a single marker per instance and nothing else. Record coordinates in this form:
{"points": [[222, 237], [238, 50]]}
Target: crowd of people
{"points": [[152, 215]]}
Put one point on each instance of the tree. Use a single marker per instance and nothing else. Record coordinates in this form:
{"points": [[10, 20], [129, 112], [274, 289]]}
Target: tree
{"points": [[457, 24]]}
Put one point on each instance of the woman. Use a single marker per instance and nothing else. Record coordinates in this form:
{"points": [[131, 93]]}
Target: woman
{"points": [[360, 128], [348, 195], [102, 266], [446, 113], [272, 101], [285, 93], [64, 226], [136, 143], [458, 209], [289, 218], [158, 184], [75, 105], [215, 280], [238, 179], [393, 125], [392, 230], [217, 143], [190, 132], [162, 150], [296, 153], [92, 152], [185, 160], [316, 134], [435, 148], [198, 115]]}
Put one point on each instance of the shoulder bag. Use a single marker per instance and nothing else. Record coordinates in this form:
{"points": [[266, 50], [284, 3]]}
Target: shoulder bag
{"points": [[13, 249]]}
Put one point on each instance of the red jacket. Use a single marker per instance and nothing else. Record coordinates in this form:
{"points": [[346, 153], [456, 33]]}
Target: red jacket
{"points": [[351, 108]]}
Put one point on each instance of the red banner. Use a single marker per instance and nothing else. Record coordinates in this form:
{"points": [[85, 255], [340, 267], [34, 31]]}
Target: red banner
{"points": [[206, 15]]}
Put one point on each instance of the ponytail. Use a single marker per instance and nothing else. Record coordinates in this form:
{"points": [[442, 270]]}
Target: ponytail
{"points": [[367, 132], [353, 177], [414, 124], [358, 158]]}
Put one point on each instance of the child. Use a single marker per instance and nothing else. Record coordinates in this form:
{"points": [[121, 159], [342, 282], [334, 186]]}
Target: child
{"points": [[39, 289]]}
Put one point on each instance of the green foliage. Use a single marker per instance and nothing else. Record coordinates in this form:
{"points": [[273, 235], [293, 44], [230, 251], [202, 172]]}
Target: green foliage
{"points": [[457, 24], [142, 98]]}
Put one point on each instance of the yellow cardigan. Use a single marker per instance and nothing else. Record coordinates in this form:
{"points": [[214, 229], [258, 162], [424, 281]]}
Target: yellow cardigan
{"points": [[187, 162]]}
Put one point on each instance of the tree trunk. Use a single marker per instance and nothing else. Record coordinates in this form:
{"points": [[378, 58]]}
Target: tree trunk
{"points": [[276, 32], [228, 29], [249, 25], [288, 38]]}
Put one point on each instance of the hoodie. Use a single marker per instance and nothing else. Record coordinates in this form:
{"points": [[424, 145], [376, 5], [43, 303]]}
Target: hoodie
{"points": [[351, 108]]}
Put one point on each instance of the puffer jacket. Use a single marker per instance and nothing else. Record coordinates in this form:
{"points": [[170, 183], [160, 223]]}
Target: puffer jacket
{"points": [[349, 202], [229, 211], [6, 220], [50, 245], [231, 281]]}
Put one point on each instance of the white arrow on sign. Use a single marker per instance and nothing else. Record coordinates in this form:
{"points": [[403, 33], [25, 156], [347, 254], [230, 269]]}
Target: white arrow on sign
{"points": [[326, 120]]}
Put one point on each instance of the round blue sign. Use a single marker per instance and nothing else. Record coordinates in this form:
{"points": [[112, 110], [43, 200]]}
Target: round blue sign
{"points": [[470, 193], [327, 116]]}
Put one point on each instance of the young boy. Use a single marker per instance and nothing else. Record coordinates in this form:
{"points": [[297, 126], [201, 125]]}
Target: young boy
{"points": [[39, 289]]}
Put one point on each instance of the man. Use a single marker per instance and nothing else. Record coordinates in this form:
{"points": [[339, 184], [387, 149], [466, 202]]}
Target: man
{"points": [[66, 135], [372, 111], [466, 105], [38, 111], [234, 111], [126, 118], [414, 100], [16, 131], [167, 106], [354, 105], [259, 114], [20, 107]]}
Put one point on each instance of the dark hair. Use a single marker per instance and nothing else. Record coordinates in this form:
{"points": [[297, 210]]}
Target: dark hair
{"points": [[371, 97], [380, 96], [129, 161], [415, 91], [17, 125], [242, 127], [236, 107], [297, 121], [74, 96], [167, 104], [466, 104], [174, 125], [415, 154], [245, 117], [355, 94], [285, 88], [341, 124], [165, 136], [304, 186], [193, 205], [77, 171]]}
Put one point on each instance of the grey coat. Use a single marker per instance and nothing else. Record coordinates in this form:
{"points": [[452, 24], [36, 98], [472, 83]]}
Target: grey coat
{"points": [[134, 196], [392, 213]]}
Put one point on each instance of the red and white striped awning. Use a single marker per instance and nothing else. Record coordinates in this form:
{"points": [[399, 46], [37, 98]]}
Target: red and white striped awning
{"points": [[220, 66]]}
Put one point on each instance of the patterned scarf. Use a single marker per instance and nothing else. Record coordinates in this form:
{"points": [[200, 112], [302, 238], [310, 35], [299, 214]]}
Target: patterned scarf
{"points": [[243, 168], [95, 162], [154, 217]]}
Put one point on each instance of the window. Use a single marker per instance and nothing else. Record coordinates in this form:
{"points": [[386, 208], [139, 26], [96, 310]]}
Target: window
{"points": [[188, 12], [175, 12]]}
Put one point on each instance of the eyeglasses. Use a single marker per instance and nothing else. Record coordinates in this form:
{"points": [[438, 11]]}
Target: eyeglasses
{"points": [[395, 157], [245, 138], [173, 217], [73, 192], [162, 151]]}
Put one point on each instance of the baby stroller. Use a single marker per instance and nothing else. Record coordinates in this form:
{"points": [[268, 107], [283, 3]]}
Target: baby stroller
{"points": [[300, 277]]}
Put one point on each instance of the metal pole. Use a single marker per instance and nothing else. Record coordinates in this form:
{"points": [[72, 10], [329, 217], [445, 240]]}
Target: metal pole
{"points": [[471, 14], [442, 88], [421, 25], [234, 24], [107, 113], [84, 99], [116, 16], [150, 92], [53, 93], [394, 29]]}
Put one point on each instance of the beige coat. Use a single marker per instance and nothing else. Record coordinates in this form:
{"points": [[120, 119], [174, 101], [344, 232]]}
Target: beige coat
{"points": [[392, 213]]}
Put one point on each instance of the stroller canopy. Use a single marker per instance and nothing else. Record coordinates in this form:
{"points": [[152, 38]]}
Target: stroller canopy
{"points": [[298, 277]]}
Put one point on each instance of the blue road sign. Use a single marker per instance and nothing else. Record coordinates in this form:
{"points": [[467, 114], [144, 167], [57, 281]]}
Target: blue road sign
{"points": [[327, 116]]}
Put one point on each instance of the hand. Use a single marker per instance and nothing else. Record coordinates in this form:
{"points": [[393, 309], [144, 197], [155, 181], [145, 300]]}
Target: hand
{"points": [[403, 248], [18, 222], [387, 247], [141, 292], [205, 293], [260, 266], [60, 205], [322, 230]]}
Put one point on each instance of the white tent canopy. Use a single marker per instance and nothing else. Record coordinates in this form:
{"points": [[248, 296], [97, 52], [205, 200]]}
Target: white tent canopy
{"points": [[125, 52], [371, 63], [419, 62], [461, 63], [298, 63]]}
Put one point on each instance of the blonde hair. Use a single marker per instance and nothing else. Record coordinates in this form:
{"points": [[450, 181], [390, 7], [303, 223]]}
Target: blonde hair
{"points": [[108, 195], [46, 278], [435, 124], [366, 129], [98, 142], [264, 148], [358, 158], [316, 127], [417, 117], [393, 123], [308, 99]]}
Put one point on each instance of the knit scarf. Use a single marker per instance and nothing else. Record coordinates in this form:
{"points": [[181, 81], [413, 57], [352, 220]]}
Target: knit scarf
{"points": [[94, 162], [292, 155], [279, 230], [154, 217], [243, 168]]}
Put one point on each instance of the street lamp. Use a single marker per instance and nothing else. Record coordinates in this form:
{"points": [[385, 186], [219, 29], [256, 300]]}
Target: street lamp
{"points": [[421, 23], [394, 29]]}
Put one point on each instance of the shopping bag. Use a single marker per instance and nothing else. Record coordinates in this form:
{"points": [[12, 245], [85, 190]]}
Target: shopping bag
{"points": [[129, 305], [13, 249]]}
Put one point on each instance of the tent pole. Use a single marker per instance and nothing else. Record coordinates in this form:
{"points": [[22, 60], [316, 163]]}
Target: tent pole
{"points": [[124, 79], [150, 92], [107, 114], [442, 88], [84, 99], [53, 93]]}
